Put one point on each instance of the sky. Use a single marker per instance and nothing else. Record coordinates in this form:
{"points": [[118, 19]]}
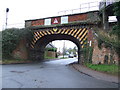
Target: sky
{"points": [[21, 10], [63, 43]]}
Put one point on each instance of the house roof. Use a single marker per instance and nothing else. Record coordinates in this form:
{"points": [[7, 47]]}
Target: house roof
{"points": [[50, 45]]}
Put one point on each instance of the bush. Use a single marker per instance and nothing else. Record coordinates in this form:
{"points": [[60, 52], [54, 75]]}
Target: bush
{"points": [[109, 40], [116, 29], [11, 38], [87, 53]]}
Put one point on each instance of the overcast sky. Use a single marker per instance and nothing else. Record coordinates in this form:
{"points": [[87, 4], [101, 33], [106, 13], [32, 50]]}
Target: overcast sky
{"points": [[21, 10]]}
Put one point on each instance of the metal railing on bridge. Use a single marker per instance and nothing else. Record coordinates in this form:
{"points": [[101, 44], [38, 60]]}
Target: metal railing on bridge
{"points": [[85, 7], [90, 6], [105, 3]]}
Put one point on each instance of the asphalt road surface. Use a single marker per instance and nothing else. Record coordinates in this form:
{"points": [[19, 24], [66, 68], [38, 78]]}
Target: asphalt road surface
{"points": [[49, 74]]}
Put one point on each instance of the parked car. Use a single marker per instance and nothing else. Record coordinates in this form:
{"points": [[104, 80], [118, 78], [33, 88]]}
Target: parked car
{"points": [[71, 55], [75, 55]]}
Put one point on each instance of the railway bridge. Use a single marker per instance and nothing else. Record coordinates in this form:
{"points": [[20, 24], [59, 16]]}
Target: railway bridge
{"points": [[74, 27]]}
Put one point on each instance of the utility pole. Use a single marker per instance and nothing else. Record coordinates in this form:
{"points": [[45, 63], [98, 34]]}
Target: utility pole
{"points": [[7, 10], [63, 48], [105, 18]]}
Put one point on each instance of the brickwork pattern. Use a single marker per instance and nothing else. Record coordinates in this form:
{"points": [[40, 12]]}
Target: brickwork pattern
{"points": [[104, 55], [21, 51]]}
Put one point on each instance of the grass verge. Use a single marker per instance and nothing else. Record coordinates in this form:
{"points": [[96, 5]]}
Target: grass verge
{"points": [[13, 61], [50, 58], [64, 58], [110, 69]]}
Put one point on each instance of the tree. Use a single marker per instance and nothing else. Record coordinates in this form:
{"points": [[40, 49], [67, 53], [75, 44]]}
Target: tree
{"points": [[116, 28], [117, 11], [74, 50]]}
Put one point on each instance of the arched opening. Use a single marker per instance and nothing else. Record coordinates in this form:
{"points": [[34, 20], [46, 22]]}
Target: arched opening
{"points": [[39, 48], [61, 49]]}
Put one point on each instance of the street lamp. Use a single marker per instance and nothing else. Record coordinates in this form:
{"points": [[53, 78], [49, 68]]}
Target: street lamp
{"points": [[7, 10]]}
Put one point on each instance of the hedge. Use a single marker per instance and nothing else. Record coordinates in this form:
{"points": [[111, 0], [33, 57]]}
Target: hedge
{"points": [[11, 38]]}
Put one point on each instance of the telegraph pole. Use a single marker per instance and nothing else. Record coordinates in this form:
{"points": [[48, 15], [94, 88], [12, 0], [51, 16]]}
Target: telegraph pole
{"points": [[63, 48], [7, 10], [105, 18]]}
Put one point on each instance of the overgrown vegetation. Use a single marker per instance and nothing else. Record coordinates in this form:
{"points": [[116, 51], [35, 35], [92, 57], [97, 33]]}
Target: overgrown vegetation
{"points": [[116, 29], [109, 40], [15, 61], [110, 69], [46, 57], [87, 54], [11, 38]]}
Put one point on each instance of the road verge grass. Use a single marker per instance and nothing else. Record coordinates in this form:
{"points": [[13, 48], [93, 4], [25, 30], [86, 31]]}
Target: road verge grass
{"points": [[15, 61], [50, 58], [64, 58], [110, 69]]}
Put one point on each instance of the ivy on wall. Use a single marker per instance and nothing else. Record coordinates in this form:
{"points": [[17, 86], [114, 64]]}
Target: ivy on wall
{"points": [[87, 54], [11, 38], [116, 28], [108, 41]]}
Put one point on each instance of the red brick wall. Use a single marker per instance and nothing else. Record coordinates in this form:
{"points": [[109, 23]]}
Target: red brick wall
{"points": [[99, 54], [21, 51], [71, 18], [90, 35], [37, 22], [77, 17]]}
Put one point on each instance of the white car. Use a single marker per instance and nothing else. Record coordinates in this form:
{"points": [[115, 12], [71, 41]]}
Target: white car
{"points": [[71, 56]]}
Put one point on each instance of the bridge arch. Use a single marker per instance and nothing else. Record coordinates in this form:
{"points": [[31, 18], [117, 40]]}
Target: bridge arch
{"points": [[43, 37]]}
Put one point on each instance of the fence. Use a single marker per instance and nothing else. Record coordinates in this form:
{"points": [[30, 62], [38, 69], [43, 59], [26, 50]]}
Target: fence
{"points": [[85, 7]]}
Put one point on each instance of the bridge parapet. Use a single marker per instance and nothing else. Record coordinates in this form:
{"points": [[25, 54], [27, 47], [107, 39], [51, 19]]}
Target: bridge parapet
{"points": [[91, 17]]}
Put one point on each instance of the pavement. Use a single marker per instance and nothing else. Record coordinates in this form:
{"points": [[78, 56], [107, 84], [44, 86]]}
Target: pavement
{"points": [[95, 74]]}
